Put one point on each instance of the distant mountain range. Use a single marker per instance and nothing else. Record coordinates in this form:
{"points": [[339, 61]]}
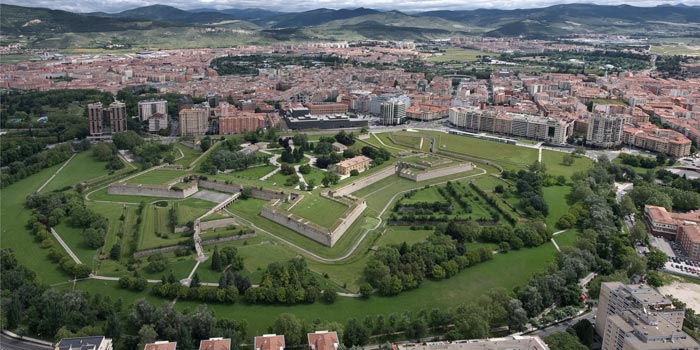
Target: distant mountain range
{"points": [[552, 21]]}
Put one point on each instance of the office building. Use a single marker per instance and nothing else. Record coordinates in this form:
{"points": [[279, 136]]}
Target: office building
{"points": [[392, 112]]}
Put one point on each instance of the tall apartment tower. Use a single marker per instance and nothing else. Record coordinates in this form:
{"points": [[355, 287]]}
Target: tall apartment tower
{"points": [[148, 108], [605, 130], [106, 121], [638, 317], [194, 121], [393, 112]]}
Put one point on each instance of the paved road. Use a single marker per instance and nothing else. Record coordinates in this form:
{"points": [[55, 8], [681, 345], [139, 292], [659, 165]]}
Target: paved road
{"points": [[561, 327], [7, 343]]}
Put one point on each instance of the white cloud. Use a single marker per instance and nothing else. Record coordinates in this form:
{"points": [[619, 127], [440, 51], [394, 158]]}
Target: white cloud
{"points": [[296, 5]]}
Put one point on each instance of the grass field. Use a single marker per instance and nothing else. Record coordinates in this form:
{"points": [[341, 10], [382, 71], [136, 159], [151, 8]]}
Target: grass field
{"points": [[319, 210], [14, 234], [254, 173], [555, 196], [190, 155], [156, 222], [458, 55], [503, 153], [157, 177], [82, 168], [566, 238], [504, 271], [400, 234], [638, 170], [553, 163]]}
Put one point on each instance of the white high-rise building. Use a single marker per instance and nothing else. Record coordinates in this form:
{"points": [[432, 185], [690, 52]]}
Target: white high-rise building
{"points": [[393, 112], [605, 130], [147, 108]]}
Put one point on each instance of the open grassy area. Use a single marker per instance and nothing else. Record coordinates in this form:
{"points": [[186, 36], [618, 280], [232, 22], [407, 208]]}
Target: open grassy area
{"points": [[319, 210], [14, 234], [566, 238], [504, 154], [453, 54], [155, 228], [82, 168], [254, 173], [400, 234], [553, 163], [157, 177], [189, 155], [638, 170], [555, 196], [504, 271]]}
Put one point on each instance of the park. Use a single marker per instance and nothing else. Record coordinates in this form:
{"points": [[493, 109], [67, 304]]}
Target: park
{"points": [[155, 232]]}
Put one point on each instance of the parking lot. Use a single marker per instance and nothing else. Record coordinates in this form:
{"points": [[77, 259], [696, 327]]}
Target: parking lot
{"points": [[683, 267]]}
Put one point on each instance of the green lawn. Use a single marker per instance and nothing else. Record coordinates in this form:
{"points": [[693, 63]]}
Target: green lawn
{"points": [[157, 177], [254, 173], [638, 170], [553, 163], [156, 220], [555, 196], [400, 234], [506, 155], [82, 168], [429, 194], [566, 238], [190, 155], [316, 175], [504, 271], [14, 234], [179, 266], [458, 55], [319, 210]]}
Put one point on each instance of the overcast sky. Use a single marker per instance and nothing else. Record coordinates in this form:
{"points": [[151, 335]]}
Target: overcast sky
{"points": [[301, 5]]}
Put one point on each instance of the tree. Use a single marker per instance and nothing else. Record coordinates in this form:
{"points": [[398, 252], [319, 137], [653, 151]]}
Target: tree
{"points": [[365, 290], [147, 334], [116, 252], [568, 159], [290, 326], [330, 179], [356, 334], [656, 259], [517, 316], [585, 332], [127, 140], [195, 283], [102, 151], [564, 341], [205, 144], [638, 232], [93, 238], [329, 295], [216, 260], [354, 172]]}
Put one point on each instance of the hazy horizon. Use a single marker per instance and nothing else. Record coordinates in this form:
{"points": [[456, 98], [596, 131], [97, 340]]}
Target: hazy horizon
{"points": [[83, 6]]}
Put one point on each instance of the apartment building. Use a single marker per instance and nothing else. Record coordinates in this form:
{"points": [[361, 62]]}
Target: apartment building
{"points": [[106, 121], [323, 340], [161, 345], [241, 122], [648, 136], [523, 342], [689, 239], [605, 130], [638, 317], [193, 121], [215, 344], [550, 130], [269, 342], [157, 122], [321, 108], [84, 343], [660, 222], [147, 108]]}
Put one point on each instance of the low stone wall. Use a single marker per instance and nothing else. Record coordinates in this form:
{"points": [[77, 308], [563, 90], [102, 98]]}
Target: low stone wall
{"points": [[364, 182], [440, 172], [347, 221], [151, 190], [229, 239], [299, 225], [470, 158], [235, 188], [208, 225], [172, 248]]}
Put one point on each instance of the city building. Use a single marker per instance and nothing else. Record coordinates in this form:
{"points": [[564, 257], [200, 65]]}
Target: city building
{"points": [[650, 137], [147, 108], [84, 343], [269, 342], [193, 121], [161, 345], [392, 112], [508, 343], [359, 163], [660, 222], [157, 122], [426, 112], [327, 108], [638, 317], [106, 121], [549, 130], [323, 340], [241, 122], [375, 102], [605, 130], [689, 240], [215, 344]]}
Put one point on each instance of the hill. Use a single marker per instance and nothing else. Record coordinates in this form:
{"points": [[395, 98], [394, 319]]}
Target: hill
{"points": [[18, 20], [172, 14], [317, 17]]}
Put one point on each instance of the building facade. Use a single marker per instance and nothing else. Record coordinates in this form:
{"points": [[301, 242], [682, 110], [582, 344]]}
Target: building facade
{"points": [[660, 222], [240, 123], [106, 121], [193, 121], [147, 108], [689, 240], [392, 112], [550, 130], [605, 130], [359, 163], [638, 317], [157, 122]]}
